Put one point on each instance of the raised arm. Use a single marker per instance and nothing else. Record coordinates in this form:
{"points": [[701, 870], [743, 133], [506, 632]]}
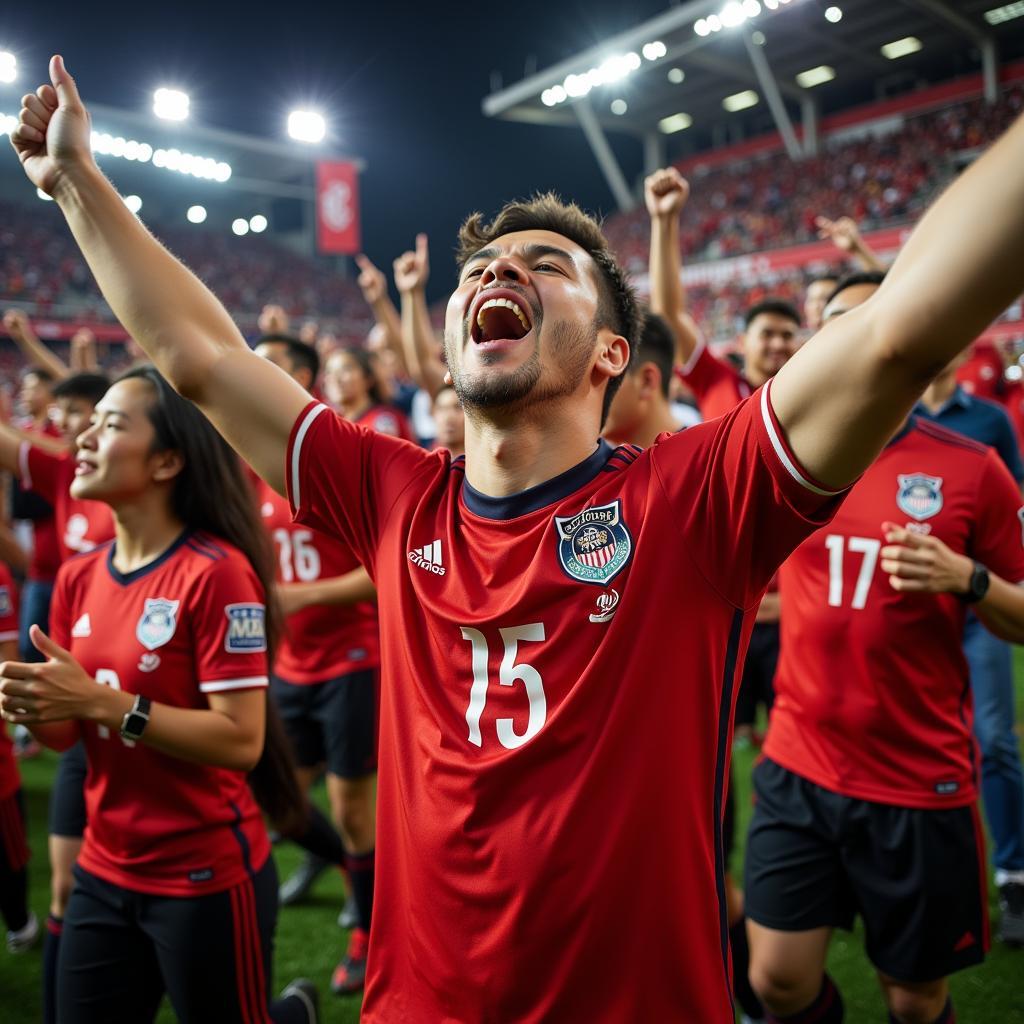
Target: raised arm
{"points": [[665, 193], [844, 234], [374, 286], [178, 322], [84, 358], [412, 270], [34, 351], [846, 392]]}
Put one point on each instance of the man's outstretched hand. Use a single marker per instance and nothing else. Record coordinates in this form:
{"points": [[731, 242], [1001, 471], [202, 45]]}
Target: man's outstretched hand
{"points": [[666, 192], [53, 130]]}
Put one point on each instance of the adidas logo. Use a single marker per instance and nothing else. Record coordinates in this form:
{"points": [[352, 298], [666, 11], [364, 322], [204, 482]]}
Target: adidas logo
{"points": [[83, 627], [429, 558]]}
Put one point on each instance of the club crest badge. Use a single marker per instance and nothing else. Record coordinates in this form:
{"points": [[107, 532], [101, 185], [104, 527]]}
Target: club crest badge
{"points": [[919, 495], [158, 622], [594, 545]]}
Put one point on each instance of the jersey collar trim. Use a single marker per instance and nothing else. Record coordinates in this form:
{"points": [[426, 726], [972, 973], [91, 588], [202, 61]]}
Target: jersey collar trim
{"points": [[124, 578], [533, 498]]}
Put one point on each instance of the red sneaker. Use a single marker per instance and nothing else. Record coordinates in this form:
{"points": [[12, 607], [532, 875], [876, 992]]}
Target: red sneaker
{"points": [[350, 974]]}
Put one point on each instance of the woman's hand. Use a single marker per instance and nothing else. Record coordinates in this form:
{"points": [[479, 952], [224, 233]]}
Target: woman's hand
{"points": [[56, 690]]}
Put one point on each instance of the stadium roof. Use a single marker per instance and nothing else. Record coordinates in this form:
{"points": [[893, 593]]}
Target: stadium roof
{"points": [[729, 65]]}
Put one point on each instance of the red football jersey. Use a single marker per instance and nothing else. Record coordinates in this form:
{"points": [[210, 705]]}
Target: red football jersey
{"points": [[10, 780], [717, 386], [528, 693], [46, 554], [80, 525], [188, 624], [323, 641], [872, 692], [386, 419]]}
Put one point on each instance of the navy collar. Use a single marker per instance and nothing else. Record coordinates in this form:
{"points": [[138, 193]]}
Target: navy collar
{"points": [[959, 397], [533, 498], [124, 578]]}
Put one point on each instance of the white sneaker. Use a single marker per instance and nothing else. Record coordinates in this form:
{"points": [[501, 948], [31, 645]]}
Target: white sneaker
{"points": [[25, 938]]}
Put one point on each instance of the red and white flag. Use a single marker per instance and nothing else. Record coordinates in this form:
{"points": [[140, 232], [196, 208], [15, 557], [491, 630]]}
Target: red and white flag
{"points": [[337, 207]]}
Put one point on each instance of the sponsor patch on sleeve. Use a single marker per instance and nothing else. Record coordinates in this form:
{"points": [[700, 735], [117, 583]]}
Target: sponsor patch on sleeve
{"points": [[5, 600], [247, 630]]}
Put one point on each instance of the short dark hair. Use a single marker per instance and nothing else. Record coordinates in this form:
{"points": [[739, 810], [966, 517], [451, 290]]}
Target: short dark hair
{"points": [[38, 371], [89, 386], [875, 277], [301, 354], [659, 347], [774, 306], [618, 308]]}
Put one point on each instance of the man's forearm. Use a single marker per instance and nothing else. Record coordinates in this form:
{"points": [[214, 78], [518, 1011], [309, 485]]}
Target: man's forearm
{"points": [[386, 315], [1002, 609], [173, 316], [37, 354], [668, 296], [417, 340]]}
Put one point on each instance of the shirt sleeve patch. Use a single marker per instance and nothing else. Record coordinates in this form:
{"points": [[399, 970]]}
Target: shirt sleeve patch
{"points": [[247, 628]]}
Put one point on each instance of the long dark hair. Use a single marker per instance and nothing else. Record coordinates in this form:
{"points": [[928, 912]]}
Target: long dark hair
{"points": [[211, 493], [365, 363]]}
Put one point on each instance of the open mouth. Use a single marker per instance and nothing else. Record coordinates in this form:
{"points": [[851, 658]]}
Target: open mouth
{"points": [[499, 315], [83, 466]]}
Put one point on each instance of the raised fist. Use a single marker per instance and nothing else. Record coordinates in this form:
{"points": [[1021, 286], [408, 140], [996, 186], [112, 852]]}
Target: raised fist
{"points": [[15, 323], [373, 283], [666, 192], [842, 232], [82, 338], [52, 136], [272, 320], [412, 269]]}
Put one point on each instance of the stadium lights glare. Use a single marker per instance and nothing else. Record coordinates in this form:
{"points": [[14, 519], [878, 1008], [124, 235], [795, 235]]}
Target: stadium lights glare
{"points": [[240, 226], [8, 122], [675, 123], [732, 15], [676, 76], [619, 107], [170, 104], [258, 223], [834, 14], [655, 50], [8, 66], [901, 47], [196, 214], [741, 100], [1007, 12], [815, 76], [757, 38], [306, 126], [134, 203]]}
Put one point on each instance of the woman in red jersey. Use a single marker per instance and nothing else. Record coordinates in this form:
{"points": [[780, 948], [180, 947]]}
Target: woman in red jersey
{"points": [[352, 386], [158, 662]]}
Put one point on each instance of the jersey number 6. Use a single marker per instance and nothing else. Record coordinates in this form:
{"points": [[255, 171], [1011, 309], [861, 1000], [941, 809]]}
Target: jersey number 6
{"points": [[508, 675]]}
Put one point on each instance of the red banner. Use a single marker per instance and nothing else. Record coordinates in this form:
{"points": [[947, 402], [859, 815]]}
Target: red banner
{"points": [[337, 207]]}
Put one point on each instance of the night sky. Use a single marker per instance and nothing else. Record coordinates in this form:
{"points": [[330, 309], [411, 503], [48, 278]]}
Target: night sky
{"points": [[401, 83]]}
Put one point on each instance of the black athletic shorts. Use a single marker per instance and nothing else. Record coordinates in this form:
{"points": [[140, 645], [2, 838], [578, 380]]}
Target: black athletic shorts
{"points": [[917, 877], [757, 684], [334, 722], [67, 797], [121, 950]]}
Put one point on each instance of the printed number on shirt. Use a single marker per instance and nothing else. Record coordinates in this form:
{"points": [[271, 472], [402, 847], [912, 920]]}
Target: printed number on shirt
{"points": [[868, 548], [508, 675], [299, 559], [108, 677]]}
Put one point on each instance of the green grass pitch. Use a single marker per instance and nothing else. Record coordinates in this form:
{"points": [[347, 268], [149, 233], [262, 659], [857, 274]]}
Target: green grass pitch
{"points": [[309, 942]]}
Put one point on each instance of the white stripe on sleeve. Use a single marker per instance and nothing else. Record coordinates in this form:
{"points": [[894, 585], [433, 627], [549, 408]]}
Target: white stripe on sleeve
{"points": [[780, 449], [300, 436], [249, 683]]}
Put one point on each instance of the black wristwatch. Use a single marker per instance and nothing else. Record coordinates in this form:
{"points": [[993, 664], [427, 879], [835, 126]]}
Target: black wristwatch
{"points": [[135, 721], [978, 587]]}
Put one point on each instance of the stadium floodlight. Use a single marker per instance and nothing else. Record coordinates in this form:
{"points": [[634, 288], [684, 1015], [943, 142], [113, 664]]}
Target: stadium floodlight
{"points": [[1007, 12], [170, 104], [8, 66], [8, 122], [547, 98], [676, 76], [196, 214], [240, 226], [43, 195], [675, 123], [901, 47], [306, 126], [655, 50], [757, 38], [835, 14], [815, 76], [701, 27], [741, 100], [258, 223], [134, 203], [619, 107]]}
